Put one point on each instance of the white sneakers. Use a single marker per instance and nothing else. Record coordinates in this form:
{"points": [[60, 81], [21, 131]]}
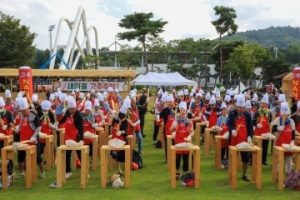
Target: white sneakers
{"points": [[68, 175], [42, 175]]}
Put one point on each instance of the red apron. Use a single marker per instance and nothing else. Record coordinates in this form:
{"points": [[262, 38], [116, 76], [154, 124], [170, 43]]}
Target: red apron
{"points": [[98, 118], [197, 111], [298, 127], [136, 113], [168, 125], [241, 133], [9, 107], [224, 142], [26, 131], [104, 113], [203, 111], [88, 127], [213, 118], [45, 129], [8, 130], [263, 120], [71, 130], [182, 132], [285, 137]]}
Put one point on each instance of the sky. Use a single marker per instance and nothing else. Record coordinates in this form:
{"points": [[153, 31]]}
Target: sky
{"points": [[186, 19]]}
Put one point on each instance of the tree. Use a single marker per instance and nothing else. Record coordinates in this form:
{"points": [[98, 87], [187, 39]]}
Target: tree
{"points": [[141, 26], [225, 24], [40, 58], [15, 42]]}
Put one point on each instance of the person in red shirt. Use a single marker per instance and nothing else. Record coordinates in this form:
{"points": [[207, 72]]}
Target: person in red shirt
{"points": [[10, 105], [6, 119], [183, 128], [29, 128]]}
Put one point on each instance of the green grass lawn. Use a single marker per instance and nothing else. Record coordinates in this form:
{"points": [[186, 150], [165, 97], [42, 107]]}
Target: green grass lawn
{"points": [[152, 182]]}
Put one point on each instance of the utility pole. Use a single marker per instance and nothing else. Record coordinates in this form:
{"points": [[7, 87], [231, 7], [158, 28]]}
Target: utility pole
{"points": [[115, 51], [51, 28]]}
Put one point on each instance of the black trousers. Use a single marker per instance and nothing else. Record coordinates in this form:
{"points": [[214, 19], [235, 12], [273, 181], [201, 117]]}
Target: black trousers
{"points": [[142, 121], [68, 159], [185, 159], [265, 145], [224, 153], [155, 132], [22, 155]]}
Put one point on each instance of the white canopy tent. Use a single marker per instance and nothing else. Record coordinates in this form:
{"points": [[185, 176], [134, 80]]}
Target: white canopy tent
{"points": [[163, 79], [239, 88]]}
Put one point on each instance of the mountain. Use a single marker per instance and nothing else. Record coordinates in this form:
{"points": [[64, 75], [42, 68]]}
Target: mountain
{"points": [[280, 37]]}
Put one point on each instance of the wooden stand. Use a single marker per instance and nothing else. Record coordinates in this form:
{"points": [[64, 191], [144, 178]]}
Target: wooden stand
{"points": [[104, 171], [161, 135], [101, 136], [196, 167], [61, 136], [7, 140], [198, 132], [169, 144], [218, 139], [61, 164], [208, 140], [256, 165], [95, 151], [49, 151], [258, 140], [297, 140], [278, 160], [31, 175]]}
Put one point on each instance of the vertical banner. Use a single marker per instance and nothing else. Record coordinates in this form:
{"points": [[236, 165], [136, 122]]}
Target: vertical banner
{"points": [[296, 83], [25, 80]]}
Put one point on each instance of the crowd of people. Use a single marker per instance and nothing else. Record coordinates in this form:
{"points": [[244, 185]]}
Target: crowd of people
{"points": [[239, 116]]}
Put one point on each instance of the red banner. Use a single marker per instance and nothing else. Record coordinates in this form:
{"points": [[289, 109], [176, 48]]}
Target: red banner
{"points": [[296, 83], [25, 80]]}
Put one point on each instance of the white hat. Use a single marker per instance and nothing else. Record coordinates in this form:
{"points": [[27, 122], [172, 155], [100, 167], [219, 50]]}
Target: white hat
{"points": [[92, 90], [255, 97], [18, 100], [212, 100], [88, 105], [248, 104], [46, 105], [96, 102], [185, 92], [124, 108], [240, 102], [182, 105], [192, 93], [160, 92], [170, 97], [179, 93], [77, 90], [58, 89], [88, 95], [35, 97], [2, 102], [71, 103], [201, 92], [223, 106], [116, 90], [218, 95], [7, 94], [265, 99], [132, 94], [236, 96], [198, 94], [281, 98], [227, 98], [51, 97], [81, 95], [62, 97], [227, 91], [207, 96], [70, 97], [73, 92], [164, 97], [100, 97], [284, 108], [298, 104], [231, 93], [110, 89], [105, 95], [23, 104], [127, 101], [20, 94]]}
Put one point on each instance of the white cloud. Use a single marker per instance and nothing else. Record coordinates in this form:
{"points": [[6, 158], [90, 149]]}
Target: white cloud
{"points": [[189, 18]]}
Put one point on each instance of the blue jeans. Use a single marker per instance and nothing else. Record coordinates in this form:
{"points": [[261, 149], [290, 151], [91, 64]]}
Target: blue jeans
{"points": [[140, 140]]}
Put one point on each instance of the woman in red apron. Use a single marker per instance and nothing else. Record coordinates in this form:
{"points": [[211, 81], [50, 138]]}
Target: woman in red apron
{"points": [[29, 128], [73, 130], [285, 134], [99, 117], [6, 118], [240, 130], [184, 130], [262, 119], [222, 123]]}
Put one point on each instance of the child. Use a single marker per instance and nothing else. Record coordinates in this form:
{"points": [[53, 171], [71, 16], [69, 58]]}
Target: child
{"points": [[222, 123]]}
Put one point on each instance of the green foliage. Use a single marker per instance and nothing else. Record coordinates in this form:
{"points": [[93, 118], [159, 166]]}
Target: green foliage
{"points": [[274, 67], [281, 37], [15, 42], [140, 25], [244, 59]]}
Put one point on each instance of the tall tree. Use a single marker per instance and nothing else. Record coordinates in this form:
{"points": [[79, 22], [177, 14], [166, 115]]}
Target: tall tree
{"points": [[225, 24], [141, 26], [15, 42]]}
